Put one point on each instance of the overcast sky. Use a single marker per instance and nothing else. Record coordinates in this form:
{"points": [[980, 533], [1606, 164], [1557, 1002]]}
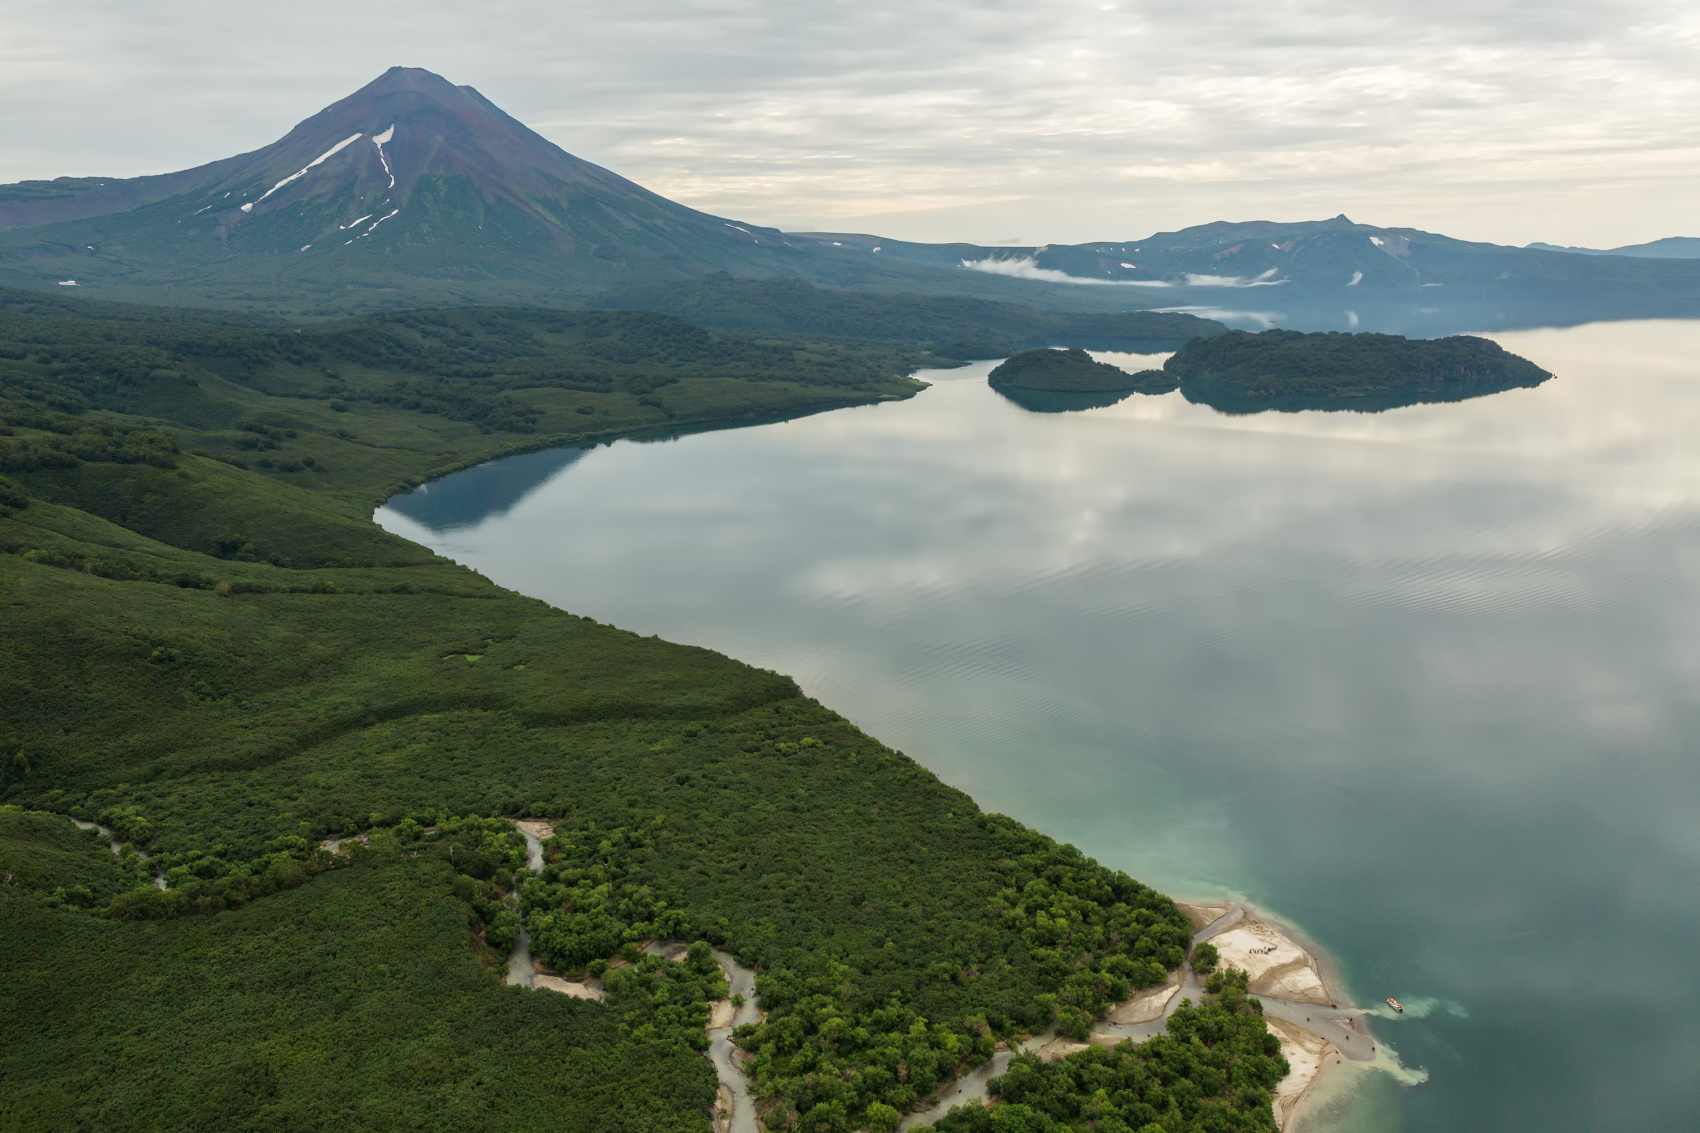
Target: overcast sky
{"points": [[1030, 121]]}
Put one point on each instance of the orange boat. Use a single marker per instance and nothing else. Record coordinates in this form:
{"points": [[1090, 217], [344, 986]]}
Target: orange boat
{"points": [[1396, 1005]]}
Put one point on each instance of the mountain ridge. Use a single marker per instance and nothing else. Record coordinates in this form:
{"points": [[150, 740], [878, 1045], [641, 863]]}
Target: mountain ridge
{"points": [[461, 204], [1668, 248], [413, 191]]}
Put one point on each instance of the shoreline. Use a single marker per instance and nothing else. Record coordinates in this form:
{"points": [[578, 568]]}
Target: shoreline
{"points": [[1288, 969], [1323, 1034], [1320, 1032]]}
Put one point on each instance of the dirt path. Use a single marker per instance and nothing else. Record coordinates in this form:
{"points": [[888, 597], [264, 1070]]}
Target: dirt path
{"points": [[1311, 1033]]}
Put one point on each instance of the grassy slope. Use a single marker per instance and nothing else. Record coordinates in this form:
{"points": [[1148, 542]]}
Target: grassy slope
{"points": [[231, 706]]}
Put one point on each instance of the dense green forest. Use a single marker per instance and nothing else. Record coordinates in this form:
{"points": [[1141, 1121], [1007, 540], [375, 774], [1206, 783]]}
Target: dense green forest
{"points": [[1214, 1069], [1240, 372], [954, 327], [211, 650]]}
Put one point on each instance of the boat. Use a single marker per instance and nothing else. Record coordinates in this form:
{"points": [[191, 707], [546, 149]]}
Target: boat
{"points": [[1396, 1005]]}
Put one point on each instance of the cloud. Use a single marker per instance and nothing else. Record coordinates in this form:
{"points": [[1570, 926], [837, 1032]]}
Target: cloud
{"points": [[1025, 267], [1070, 120], [1263, 319], [1267, 279]]}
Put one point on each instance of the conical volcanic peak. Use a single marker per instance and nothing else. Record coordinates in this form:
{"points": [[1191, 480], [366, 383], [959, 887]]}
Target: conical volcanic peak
{"points": [[414, 191], [410, 185], [370, 150]]}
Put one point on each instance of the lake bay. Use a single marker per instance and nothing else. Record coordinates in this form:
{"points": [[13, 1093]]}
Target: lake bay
{"points": [[1422, 682]]}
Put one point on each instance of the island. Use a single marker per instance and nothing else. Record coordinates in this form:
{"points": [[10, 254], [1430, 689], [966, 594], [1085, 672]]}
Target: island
{"points": [[1051, 380], [1070, 371], [1241, 372]]}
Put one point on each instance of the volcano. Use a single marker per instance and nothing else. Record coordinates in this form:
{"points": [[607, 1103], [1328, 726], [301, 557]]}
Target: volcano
{"points": [[411, 190], [415, 192]]}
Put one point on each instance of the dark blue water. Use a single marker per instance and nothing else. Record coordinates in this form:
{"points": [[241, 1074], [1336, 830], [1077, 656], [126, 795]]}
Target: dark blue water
{"points": [[1424, 682]]}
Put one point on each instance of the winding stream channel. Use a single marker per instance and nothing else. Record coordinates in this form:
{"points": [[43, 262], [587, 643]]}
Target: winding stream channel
{"points": [[117, 847], [1341, 1028], [735, 1097]]}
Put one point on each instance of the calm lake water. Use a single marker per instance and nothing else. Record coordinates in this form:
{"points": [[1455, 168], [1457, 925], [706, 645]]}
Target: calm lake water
{"points": [[1424, 682]]}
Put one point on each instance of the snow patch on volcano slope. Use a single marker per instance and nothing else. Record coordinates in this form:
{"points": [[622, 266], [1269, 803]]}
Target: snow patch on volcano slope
{"points": [[380, 140], [296, 176], [375, 224]]}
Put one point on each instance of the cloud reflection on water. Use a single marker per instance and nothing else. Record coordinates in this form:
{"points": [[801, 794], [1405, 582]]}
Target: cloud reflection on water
{"points": [[1421, 680]]}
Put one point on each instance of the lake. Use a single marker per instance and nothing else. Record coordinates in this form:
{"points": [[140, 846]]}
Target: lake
{"points": [[1423, 682]]}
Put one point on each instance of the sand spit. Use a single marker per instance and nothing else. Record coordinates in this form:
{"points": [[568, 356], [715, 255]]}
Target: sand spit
{"points": [[1318, 1029], [1278, 967], [589, 989], [1306, 1054]]}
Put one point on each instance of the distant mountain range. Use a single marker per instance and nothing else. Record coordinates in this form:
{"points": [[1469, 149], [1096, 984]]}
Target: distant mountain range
{"points": [[1255, 262], [1670, 248], [413, 191]]}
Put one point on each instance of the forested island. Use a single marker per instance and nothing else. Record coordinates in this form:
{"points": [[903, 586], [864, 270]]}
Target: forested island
{"points": [[1069, 371], [1240, 372], [305, 740], [1061, 381]]}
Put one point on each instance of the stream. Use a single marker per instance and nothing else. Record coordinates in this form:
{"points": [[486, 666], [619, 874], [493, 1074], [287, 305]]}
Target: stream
{"points": [[740, 981], [117, 847], [1353, 1043], [970, 1088]]}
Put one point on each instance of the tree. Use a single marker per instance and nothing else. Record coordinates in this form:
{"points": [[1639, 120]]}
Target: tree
{"points": [[1205, 957], [881, 1118]]}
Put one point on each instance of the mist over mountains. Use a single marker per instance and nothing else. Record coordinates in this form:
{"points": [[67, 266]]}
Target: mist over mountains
{"points": [[413, 191]]}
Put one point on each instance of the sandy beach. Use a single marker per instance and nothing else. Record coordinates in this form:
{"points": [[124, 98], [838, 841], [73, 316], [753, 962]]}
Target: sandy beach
{"points": [[1317, 1028], [1278, 967], [1306, 1054]]}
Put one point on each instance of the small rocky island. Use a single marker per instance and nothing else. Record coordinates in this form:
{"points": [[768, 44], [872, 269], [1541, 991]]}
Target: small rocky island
{"points": [[1073, 371], [1240, 372]]}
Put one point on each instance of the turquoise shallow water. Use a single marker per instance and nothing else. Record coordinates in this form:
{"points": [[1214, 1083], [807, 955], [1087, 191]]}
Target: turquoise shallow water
{"points": [[1422, 682]]}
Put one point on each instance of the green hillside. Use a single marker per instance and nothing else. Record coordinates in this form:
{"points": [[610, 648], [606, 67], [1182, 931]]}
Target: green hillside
{"points": [[953, 326], [212, 651]]}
